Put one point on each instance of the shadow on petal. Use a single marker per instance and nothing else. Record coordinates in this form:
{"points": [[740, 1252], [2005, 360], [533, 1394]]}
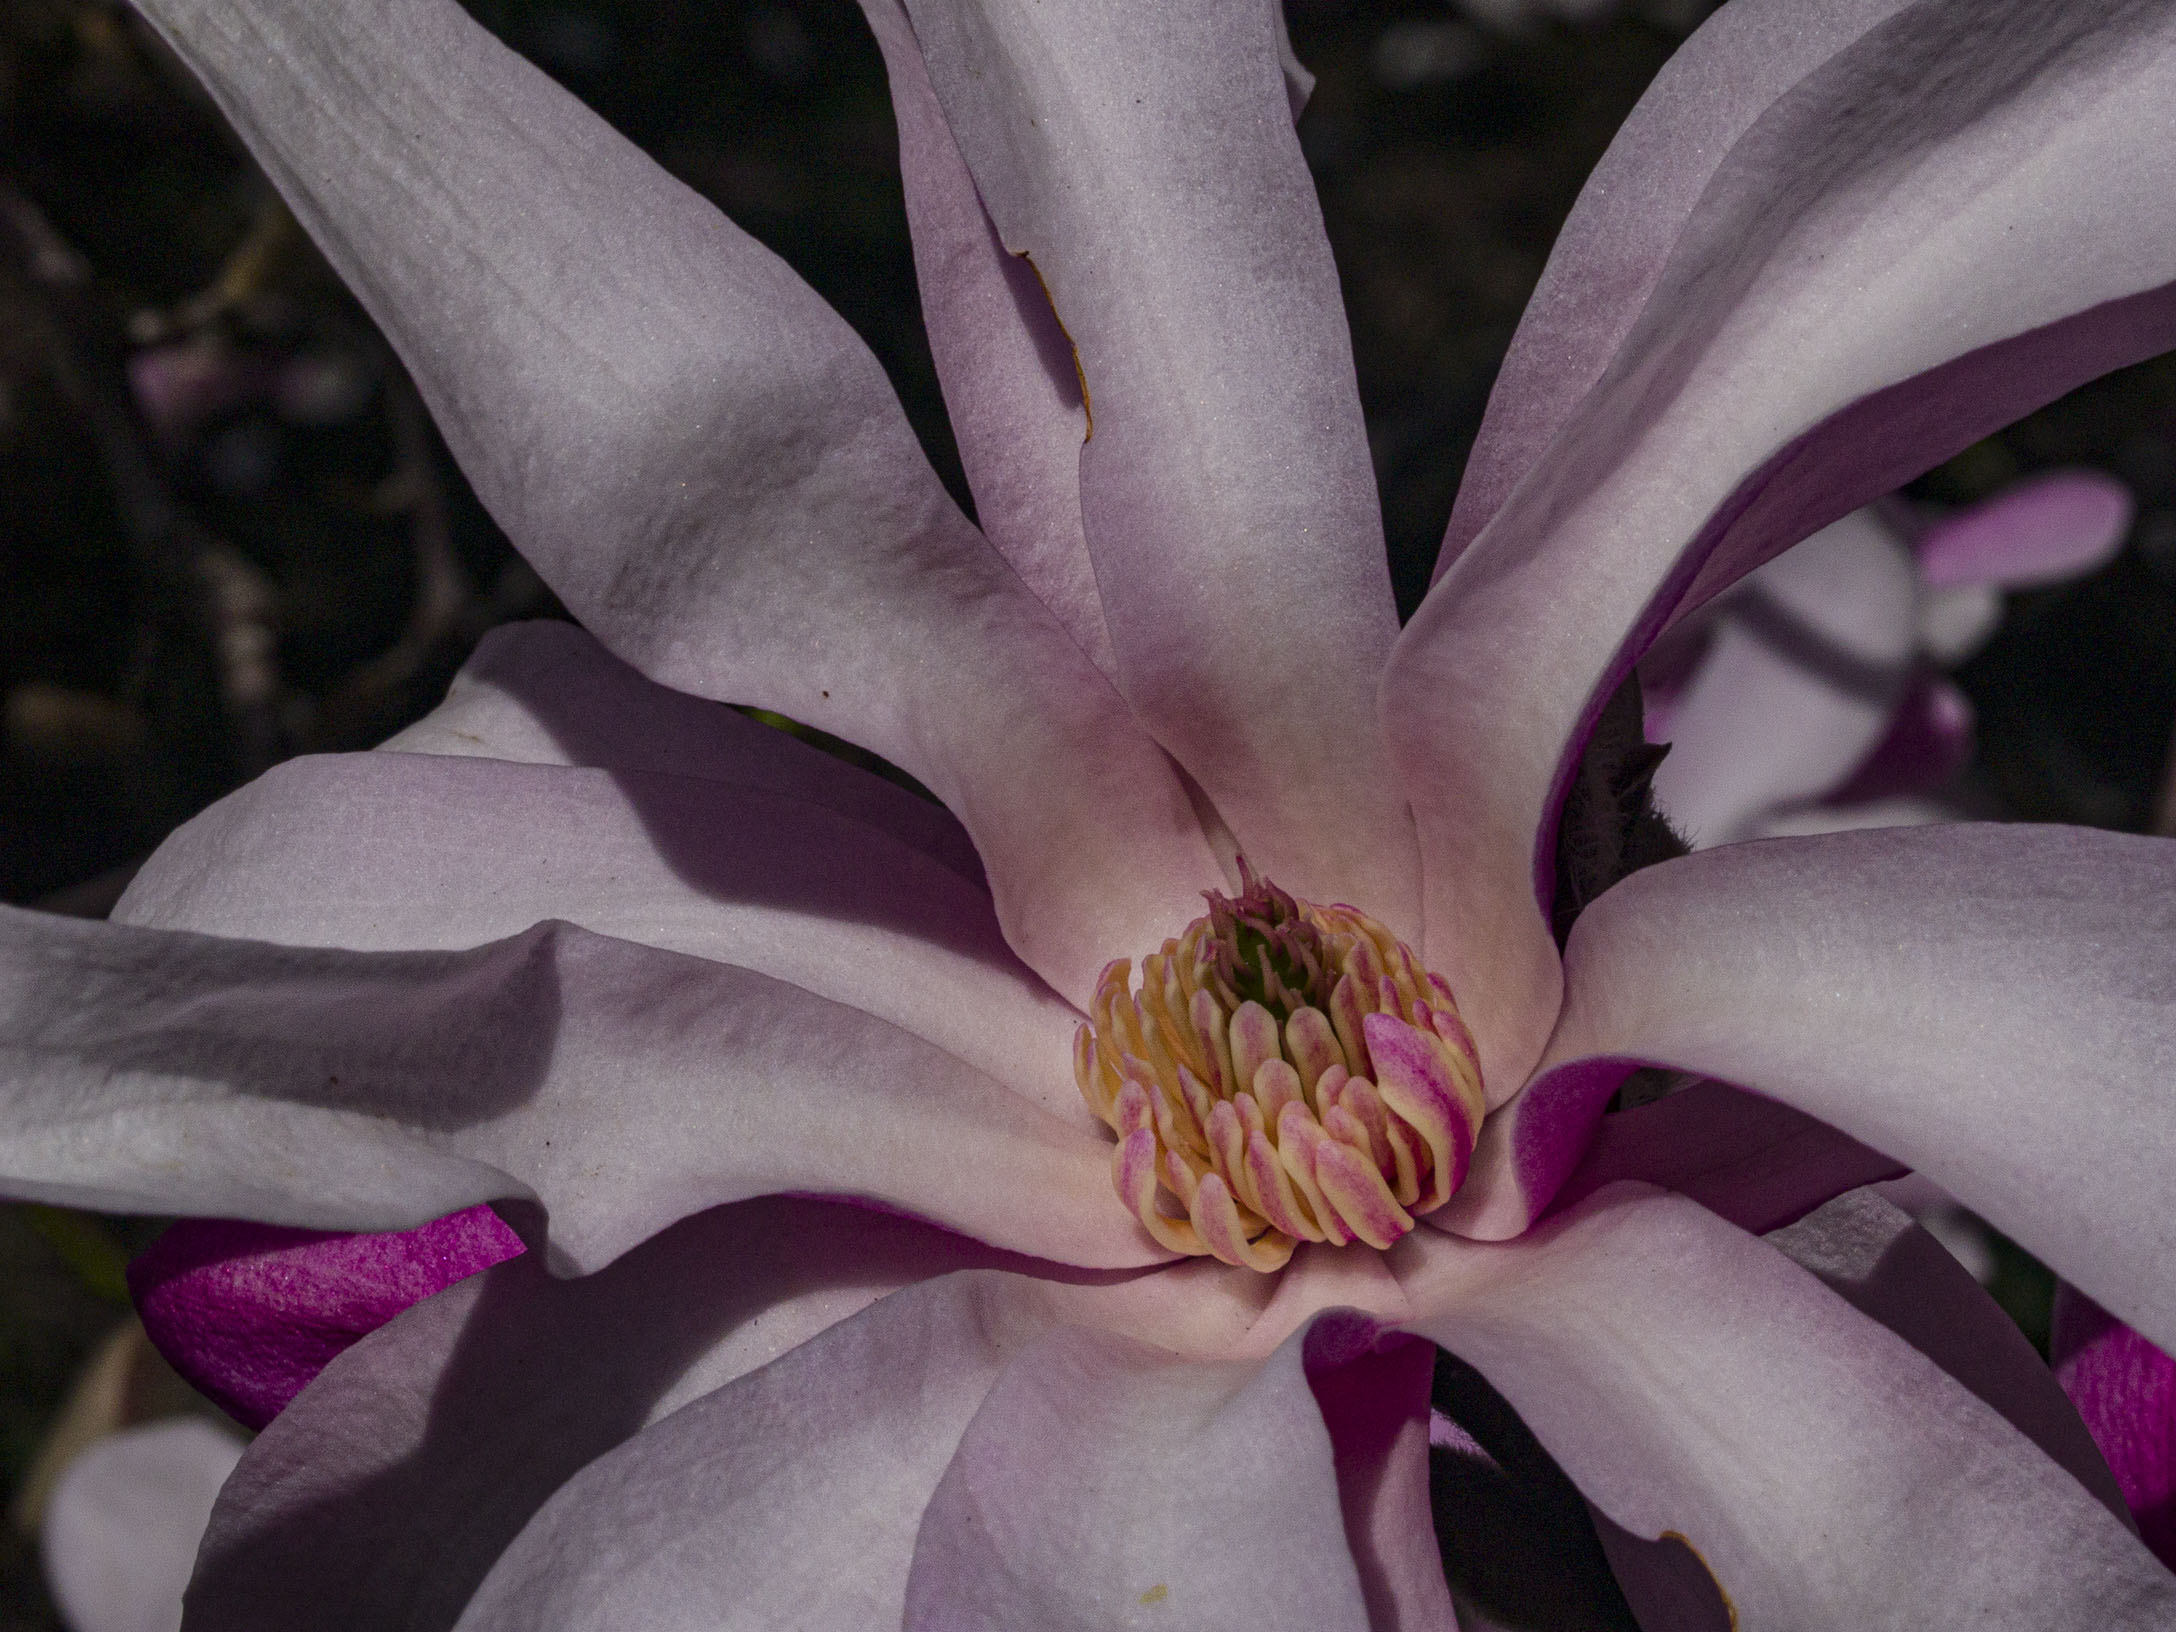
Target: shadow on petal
{"points": [[1519, 1547]]}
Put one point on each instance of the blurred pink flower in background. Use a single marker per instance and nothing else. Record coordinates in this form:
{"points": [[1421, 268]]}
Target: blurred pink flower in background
{"points": [[1812, 698]]}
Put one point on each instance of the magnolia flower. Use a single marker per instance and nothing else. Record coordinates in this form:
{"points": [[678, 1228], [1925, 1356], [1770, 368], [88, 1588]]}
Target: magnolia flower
{"points": [[125, 1521], [1811, 698], [666, 986]]}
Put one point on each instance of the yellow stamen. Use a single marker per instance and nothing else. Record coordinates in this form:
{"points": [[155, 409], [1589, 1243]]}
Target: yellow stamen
{"points": [[1285, 1072]]}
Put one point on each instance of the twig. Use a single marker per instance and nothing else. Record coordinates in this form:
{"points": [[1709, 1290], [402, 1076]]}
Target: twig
{"points": [[199, 585]]}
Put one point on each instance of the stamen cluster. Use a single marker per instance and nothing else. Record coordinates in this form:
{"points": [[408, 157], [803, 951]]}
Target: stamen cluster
{"points": [[1286, 1072]]}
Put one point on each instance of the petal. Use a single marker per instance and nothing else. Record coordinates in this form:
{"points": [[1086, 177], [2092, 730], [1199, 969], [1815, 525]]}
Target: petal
{"points": [[694, 451], [1759, 1164], [1102, 1479], [1991, 1005], [122, 1528], [2051, 527], [386, 852], [250, 1313], [1868, 283], [386, 1492], [1142, 155], [1890, 1269], [621, 1086], [1373, 1393], [1010, 386], [1804, 671], [788, 1497], [547, 693], [1611, 253], [2125, 1388], [1694, 1381]]}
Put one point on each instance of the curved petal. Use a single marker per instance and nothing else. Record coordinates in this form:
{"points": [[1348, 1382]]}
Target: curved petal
{"points": [[1141, 153], [547, 693], [1694, 1381], [122, 1528], [2036, 532], [1994, 1006], [160, 1070], [1102, 1479], [1373, 1391], [1611, 252], [381, 1498], [1005, 363], [1805, 669], [788, 1497], [387, 852], [1873, 1256], [694, 451], [1870, 281], [249, 1313], [2125, 1387], [1759, 1164]]}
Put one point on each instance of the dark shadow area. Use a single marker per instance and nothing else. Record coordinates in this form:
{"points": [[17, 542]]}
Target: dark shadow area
{"points": [[1517, 1541]]}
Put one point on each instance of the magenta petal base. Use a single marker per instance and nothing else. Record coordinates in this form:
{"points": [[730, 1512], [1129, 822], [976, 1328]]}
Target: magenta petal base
{"points": [[250, 1313], [2125, 1389]]}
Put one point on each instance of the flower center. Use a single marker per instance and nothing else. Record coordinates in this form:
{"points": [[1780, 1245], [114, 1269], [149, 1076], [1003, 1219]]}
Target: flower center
{"points": [[1285, 1073]]}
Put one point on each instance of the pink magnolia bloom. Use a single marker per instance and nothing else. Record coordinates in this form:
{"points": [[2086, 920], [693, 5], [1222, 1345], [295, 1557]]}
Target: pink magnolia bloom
{"points": [[659, 981], [1811, 698]]}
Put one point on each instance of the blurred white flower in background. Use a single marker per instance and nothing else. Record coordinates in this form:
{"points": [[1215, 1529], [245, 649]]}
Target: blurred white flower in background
{"points": [[120, 1492], [1813, 697], [122, 1529]]}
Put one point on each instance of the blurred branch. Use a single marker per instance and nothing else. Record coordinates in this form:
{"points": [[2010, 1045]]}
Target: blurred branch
{"points": [[444, 598], [197, 583]]}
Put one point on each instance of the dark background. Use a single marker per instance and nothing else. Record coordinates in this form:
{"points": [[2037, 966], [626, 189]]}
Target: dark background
{"points": [[228, 534]]}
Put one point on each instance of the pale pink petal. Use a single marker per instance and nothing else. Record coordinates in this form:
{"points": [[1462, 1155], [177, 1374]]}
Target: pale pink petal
{"points": [[1890, 1269], [547, 693], [696, 453], [122, 1528], [392, 852], [249, 1313], [2125, 1388], [786, 1498], [1803, 672], [1142, 155], [1993, 1006], [1870, 281], [1694, 1381], [1757, 1163], [1104, 1482], [384, 1494], [1010, 385], [1611, 253], [2051, 527], [620, 1086]]}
